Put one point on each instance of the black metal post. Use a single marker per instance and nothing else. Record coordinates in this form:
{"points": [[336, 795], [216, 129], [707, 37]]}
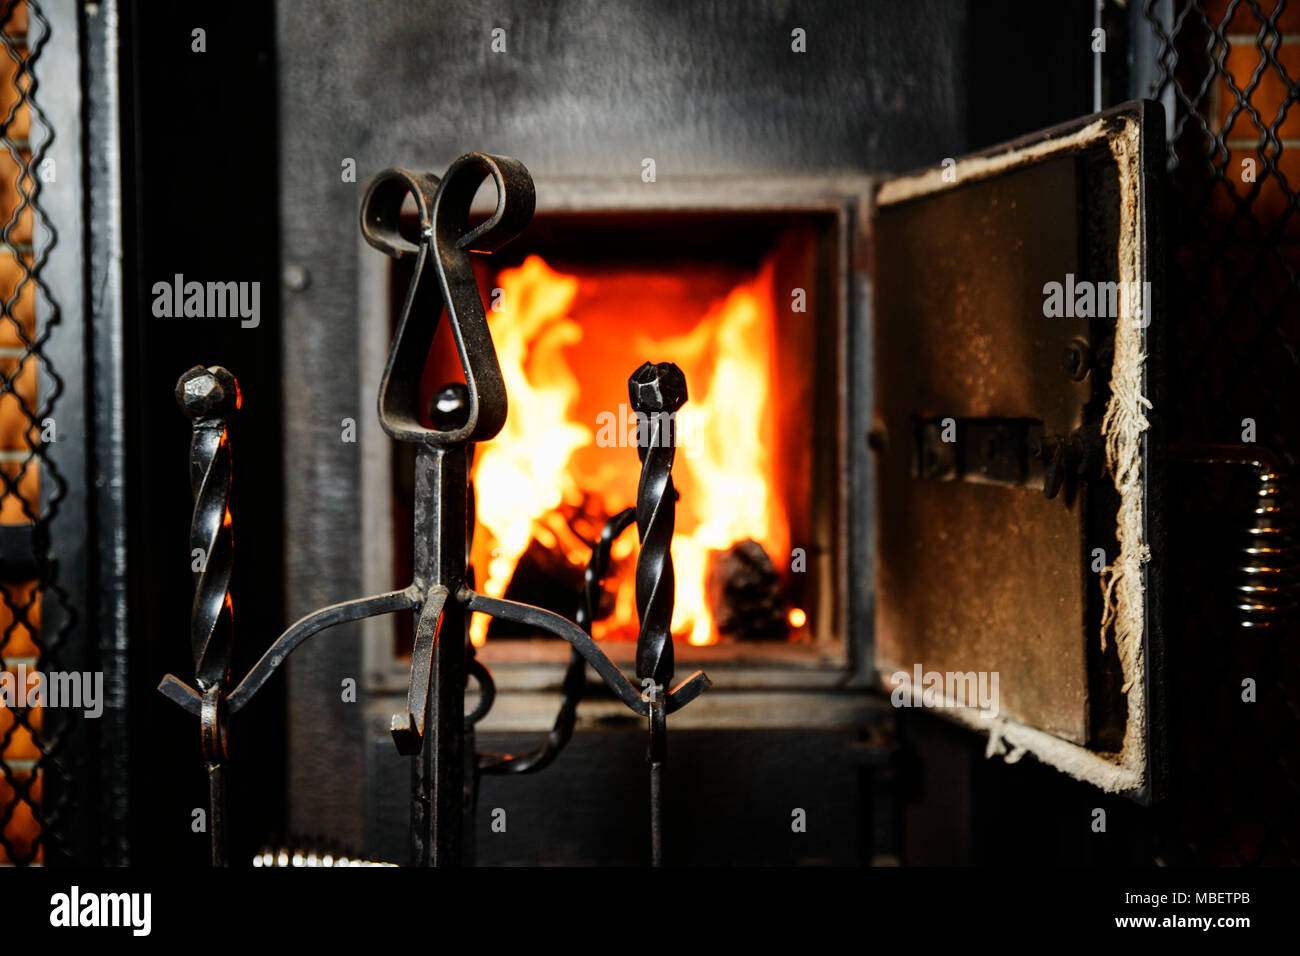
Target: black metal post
{"points": [[441, 512], [657, 393]]}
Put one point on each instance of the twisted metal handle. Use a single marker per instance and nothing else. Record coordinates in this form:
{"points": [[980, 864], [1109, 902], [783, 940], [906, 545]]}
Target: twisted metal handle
{"points": [[209, 397], [656, 393]]}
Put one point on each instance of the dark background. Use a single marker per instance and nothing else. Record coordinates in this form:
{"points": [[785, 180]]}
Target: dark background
{"points": [[199, 158]]}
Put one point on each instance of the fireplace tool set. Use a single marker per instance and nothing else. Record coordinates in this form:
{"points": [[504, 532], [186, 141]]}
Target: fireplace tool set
{"points": [[435, 730]]}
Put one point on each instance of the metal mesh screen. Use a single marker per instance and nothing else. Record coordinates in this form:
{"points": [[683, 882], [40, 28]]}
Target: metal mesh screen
{"points": [[34, 796], [1227, 70], [1232, 69]]}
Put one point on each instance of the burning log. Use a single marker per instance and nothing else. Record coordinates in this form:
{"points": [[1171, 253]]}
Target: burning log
{"points": [[543, 577], [745, 593]]}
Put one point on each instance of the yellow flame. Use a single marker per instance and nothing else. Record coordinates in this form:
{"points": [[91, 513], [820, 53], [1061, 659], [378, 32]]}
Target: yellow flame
{"points": [[521, 475], [723, 469], [725, 459]]}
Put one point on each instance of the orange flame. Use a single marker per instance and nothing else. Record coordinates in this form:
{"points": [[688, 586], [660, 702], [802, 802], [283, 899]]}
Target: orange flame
{"points": [[522, 474], [724, 464]]}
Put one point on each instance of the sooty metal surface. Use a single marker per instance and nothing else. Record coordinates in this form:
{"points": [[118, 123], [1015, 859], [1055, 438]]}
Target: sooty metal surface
{"points": [[981, 576]]}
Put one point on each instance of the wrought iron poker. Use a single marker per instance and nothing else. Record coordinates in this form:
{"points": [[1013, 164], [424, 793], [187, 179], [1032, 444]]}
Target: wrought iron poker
{"points": [[657, 393], [434, 728], [209, 397]]}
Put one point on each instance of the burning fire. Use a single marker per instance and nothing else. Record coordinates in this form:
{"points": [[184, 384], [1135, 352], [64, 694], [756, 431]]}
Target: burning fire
{"points": [[547, 465]]}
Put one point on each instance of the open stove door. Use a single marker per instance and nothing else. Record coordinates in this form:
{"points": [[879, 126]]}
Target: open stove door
{"points": [[1018, 445]]}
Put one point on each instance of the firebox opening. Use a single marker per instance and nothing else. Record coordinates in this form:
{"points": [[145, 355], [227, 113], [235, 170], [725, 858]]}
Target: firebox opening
{"points": [[746, 304]]}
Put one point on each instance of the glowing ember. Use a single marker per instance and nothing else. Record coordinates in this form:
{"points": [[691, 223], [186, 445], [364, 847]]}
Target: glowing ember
{"points": [[552, 460]]}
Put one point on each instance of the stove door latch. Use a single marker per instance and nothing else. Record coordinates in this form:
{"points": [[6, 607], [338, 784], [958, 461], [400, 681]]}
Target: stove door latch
{"points": [[1006, 451]]}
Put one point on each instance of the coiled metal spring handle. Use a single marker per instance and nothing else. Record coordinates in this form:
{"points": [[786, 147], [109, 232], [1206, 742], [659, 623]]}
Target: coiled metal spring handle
{"points": [[1269, 573]]}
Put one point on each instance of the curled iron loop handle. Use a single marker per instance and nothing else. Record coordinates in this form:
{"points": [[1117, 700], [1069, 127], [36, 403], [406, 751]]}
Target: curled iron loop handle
{"points": [[574, 675], [446, 240]]}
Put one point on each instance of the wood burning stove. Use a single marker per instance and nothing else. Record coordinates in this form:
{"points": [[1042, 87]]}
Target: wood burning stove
{"points": [[754, 291], [915, 506], [717, 176], [788, 202]]}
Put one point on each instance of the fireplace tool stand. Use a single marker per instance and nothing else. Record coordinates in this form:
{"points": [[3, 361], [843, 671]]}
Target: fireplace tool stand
{"points": [[434, 729]]}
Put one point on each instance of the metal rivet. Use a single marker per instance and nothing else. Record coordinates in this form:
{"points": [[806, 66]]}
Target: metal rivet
{"points": [[1077, 359], [296, 278]]}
